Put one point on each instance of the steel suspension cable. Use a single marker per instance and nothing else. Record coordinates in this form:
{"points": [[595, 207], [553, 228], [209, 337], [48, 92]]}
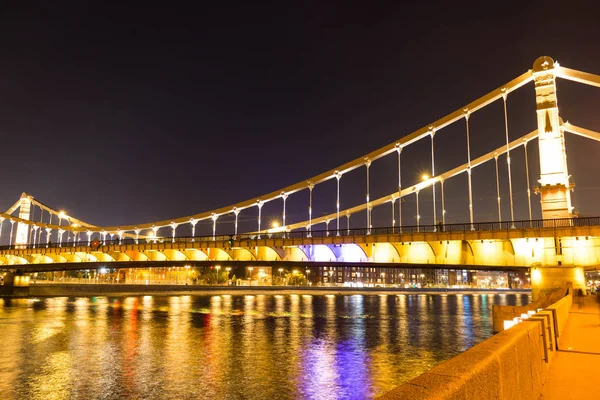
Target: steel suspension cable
{"points": [[443, 205], [368, 164], [399, 150], [41, 222], [433, 175], [469, 171], [510, 191], [528, 190], [498, 190]]}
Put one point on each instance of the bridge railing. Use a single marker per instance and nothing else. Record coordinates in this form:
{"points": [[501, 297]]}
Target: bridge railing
{"points": [[304, 234]]}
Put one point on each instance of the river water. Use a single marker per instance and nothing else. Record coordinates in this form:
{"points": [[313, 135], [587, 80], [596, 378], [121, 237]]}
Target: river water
{"points": [[233, 347]]}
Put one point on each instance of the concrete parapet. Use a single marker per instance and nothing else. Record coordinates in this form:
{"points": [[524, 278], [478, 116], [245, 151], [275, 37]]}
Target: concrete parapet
{"points": [[507, 313], [560, 311]]}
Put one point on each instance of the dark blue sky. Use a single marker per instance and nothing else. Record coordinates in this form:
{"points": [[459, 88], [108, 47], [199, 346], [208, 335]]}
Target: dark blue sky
{"points": [[130, 113]]}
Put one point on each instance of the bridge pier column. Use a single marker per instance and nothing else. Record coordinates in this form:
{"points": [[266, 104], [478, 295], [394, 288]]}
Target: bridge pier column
{"points": [[545, 280], [15, 284]]}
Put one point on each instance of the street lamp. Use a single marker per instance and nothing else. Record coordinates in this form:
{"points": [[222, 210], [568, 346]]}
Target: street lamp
{"points": [[422, 280], [217, 267], [250, 278], [187, 274], [61, 215], [307, 272], [280, 278]]}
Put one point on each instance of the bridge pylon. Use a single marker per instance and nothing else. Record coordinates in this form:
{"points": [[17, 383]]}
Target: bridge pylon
{"points": [[22, 237], [555, 188]]}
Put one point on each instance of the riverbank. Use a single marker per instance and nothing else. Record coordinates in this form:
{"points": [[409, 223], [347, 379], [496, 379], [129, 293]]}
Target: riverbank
{"points": [[51, 290]]}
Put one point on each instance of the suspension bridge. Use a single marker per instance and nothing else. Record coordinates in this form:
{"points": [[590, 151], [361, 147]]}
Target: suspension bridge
{"points": [[556, 248]]}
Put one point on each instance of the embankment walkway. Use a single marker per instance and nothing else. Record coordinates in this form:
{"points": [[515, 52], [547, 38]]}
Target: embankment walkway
{"points": [[574, 370]]}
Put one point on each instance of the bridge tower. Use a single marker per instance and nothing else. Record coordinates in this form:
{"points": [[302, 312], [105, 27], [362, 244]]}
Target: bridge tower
{"points": [[22, 237], [555, 188]]}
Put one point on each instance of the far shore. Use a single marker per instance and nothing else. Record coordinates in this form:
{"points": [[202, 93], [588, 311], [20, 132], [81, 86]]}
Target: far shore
{"points": [[120, 290]]}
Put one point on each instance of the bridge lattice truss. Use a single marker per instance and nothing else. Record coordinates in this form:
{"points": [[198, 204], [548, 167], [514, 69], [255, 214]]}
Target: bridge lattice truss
{"points": [[39, 233]]}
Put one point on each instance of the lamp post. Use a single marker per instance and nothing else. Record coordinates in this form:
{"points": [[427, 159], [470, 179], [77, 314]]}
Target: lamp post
{"points": [[228, 269], [307, 272], [260, 277], [217, 267], [250, 278], [280, 278], [293, 273]]}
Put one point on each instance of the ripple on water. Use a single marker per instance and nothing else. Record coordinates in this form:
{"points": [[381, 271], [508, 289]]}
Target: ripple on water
{"points": [[229, 347]]}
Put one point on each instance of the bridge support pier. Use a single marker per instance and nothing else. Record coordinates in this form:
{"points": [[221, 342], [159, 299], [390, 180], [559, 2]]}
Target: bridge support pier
{"points": [[545, 280], [15, 284]]}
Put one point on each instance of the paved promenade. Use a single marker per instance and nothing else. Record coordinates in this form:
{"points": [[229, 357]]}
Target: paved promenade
{"points": [[574, 371]]}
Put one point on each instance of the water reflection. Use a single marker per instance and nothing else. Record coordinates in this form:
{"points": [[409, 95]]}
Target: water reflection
{"points": [[229, 347]]}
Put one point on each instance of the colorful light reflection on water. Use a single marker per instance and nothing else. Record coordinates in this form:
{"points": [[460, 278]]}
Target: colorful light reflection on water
{"points": [[231, 347]]}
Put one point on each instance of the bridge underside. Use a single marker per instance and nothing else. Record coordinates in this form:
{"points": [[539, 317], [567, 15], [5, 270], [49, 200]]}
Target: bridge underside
{"points": [[31, 268]]}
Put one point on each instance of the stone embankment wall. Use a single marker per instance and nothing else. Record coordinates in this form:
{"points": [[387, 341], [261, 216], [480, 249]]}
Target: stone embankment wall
{"points": [[61, 289], [512, 364]]}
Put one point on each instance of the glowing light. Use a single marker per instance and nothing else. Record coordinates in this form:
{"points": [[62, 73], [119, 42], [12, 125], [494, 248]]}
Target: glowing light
{"points": [[424, 177], [508, 324], [322, 252], [351, 253], [275, 224]]}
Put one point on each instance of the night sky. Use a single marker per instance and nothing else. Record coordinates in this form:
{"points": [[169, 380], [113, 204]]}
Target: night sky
{"points": [[124, 114]]}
